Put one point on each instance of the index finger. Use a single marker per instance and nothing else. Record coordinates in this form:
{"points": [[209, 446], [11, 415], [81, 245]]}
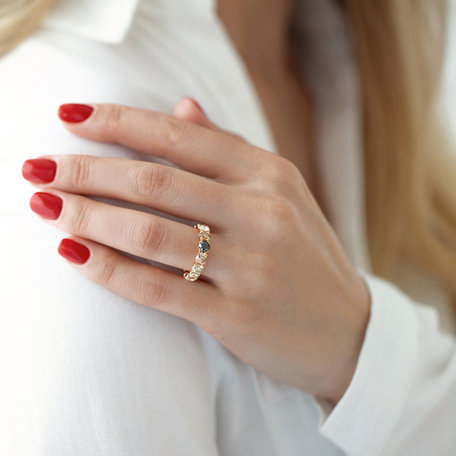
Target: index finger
{"points": [[193, 147]]}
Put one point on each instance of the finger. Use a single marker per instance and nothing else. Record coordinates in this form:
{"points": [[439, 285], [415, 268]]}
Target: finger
{"points": [[138, 233], [161, 187], [198, 302], [190, 110], [197, 149]]}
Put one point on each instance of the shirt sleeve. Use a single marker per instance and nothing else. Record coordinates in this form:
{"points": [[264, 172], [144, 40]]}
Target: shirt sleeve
{"points": [[402, 398]]}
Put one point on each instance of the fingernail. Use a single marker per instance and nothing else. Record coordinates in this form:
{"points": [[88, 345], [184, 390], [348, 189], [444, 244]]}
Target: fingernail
{"points": [[39, 170], [72, 112], [73, 251], [196, 104], [47, 205]]}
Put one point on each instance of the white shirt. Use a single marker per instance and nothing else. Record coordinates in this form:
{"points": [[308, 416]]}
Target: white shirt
{"points": [[86, 372]]}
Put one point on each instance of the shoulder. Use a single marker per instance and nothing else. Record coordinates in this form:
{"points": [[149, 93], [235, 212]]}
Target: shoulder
{"points": [[49, 69]]}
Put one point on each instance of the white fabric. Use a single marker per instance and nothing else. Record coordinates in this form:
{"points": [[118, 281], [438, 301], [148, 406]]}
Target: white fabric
{"points": [[86, 372]]}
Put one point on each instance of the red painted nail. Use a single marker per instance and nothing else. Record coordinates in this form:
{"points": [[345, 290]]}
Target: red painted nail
{"points": [[39, 170], [72, 112], [73, 251], [47, 205]]}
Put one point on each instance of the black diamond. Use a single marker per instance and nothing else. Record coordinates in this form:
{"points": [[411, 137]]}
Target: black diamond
{"points": [[204, 246]]}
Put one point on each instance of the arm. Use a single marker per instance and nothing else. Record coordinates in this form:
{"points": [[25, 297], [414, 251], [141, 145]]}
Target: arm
{"points": [[402, 398]]}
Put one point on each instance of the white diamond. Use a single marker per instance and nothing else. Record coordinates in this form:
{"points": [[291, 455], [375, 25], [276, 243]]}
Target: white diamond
{"points": [[191, 276], [197, 268], [205, 236], [201, 257]]}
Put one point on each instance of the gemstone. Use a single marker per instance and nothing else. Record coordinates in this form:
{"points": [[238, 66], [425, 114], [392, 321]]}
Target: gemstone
{"points": [[191, 276], [204, 236], [201, 257], [196, 268], [204, 246], [203, 227]]}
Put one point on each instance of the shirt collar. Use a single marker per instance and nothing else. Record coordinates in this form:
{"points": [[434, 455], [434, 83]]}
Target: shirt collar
{"points": [[107, 21]]}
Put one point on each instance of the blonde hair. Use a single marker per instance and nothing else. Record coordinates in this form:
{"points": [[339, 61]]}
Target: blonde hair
{"points": [[409, 168], [18, 18], [410, 174]]}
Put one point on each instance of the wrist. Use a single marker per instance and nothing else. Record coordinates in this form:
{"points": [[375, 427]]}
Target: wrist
{"points": [[343, 371]]}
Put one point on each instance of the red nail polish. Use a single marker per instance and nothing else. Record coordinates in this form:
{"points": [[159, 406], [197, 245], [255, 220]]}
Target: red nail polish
{"points": [[39, 170], [73, 251], [47, 205], [72, 112]]}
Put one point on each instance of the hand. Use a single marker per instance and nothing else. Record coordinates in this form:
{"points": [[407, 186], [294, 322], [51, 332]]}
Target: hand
{"points": [[278, 290]]}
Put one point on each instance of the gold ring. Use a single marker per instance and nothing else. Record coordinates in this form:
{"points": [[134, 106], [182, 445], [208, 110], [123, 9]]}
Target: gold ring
{"points": [[201, 257]]}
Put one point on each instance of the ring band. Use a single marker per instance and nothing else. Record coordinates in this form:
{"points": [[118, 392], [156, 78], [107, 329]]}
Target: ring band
{"points": [[201, 257]]}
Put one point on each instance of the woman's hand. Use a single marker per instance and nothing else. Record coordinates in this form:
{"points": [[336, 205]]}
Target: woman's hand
{"points": [[278, 290]]}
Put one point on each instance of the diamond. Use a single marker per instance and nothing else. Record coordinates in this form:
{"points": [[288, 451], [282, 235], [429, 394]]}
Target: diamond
{"points": [[203, 227], [201, 257], [191, 276], [205, 236], [197, 268]]}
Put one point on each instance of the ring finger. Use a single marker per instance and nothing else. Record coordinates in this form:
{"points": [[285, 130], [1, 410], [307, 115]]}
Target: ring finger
{"points": [[135, 232], [150, 286]]}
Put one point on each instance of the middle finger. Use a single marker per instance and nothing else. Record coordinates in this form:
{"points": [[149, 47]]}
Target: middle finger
{"points": [[167, 189]]}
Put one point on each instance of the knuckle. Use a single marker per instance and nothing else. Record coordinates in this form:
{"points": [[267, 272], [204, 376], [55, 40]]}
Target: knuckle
{"points": [[146, 236], [172, 131], [261, 267], [106, 272], [150, 181], [277, 217], [80, 218], [285, 169], [114, 117], [223, 197], [280, 173], [153, 292], [80, 167]]}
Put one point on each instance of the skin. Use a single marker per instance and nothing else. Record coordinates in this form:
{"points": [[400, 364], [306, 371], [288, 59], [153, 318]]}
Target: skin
{"points": [[259, 29], [283, 296]]}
